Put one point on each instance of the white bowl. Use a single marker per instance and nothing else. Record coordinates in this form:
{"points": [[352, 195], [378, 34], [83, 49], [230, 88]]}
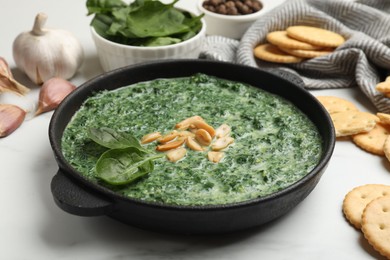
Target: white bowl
{"points": [[232, 26], [114, 55]]}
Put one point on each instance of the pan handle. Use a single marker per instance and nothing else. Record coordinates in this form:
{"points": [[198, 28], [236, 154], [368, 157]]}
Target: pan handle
{"points": [[74, 199]]}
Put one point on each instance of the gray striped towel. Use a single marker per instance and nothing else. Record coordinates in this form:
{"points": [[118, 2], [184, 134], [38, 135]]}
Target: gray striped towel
{"points": [[362, 61]]}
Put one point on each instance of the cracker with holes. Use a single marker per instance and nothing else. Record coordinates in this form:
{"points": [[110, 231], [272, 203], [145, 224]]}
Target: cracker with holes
{"points": [[353, 122], [316, 36], [335, 104], [386, 148], [271, 53], [282, 40], [374, 140], [376, 224], [384, 118], [307, 53], [356, 200]]}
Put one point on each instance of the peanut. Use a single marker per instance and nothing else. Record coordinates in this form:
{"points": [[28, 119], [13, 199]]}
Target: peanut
{"points": [[222, 130], [222, 143], [203, 137], [176, 154], [186, 134], [170, 145], [215, 157], [169, 137], [203, 125], [185, 124], [193, 145], [150, 137]]}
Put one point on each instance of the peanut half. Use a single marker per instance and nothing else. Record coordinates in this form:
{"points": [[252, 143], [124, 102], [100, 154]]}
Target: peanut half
{"points": [[203, 137], [215, 157], [170, 145], [222, 130], [150, 137], [222, 143], [176, 154], [168, 137], [193, 145], [186, 134], [203, 125], [197, 135], [185, 124]]}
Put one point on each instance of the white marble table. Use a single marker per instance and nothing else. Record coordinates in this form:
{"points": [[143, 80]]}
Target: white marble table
{"points": [[33, 227]]}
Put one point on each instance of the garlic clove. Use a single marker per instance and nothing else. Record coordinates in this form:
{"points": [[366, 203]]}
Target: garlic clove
{"points": [[27, 102], [7, 81], [11, 117], [52, 93], [4, 68], [44, 53]]}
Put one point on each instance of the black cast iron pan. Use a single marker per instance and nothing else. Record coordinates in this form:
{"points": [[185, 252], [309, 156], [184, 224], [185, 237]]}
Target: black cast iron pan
{"points": [[76, 195]]}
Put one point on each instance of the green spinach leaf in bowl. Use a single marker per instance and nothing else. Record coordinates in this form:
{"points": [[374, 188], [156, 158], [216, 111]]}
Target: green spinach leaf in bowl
{"points": [[142, 22]]}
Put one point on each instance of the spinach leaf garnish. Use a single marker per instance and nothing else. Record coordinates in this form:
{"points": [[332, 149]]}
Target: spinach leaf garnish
{"points": [[143, 22], [125, 161], [112, 139], [123, 166]]}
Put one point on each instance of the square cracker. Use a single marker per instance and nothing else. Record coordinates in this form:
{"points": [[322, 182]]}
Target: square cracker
{"points": [[384, 118], [373, 141], [384, 86], [353, 122], [336, 104]]}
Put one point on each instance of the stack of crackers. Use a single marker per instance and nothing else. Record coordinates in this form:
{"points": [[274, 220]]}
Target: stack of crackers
{"points": [[368, 131], [298, 43], [367, 208]]}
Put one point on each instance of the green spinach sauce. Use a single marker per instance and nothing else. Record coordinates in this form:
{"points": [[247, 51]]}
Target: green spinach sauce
{"points": [[275, 143]]}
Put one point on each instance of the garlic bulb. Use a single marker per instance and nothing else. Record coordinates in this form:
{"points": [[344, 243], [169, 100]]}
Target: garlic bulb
{"points": [[46, 53]]}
